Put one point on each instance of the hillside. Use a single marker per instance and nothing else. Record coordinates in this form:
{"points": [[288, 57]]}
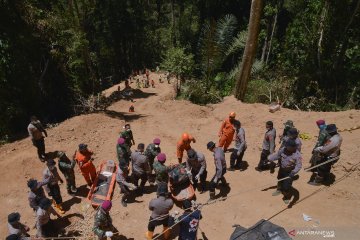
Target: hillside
{"points": [[158, 115]]}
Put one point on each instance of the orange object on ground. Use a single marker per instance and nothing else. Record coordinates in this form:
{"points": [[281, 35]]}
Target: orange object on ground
{"points": [[132, 108], [226, 133], [86, 166], [104, 184], [181, 193], [184, 144]]}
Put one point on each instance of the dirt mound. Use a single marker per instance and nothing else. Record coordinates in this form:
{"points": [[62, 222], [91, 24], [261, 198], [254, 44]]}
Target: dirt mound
{"points": [[158, 115]]}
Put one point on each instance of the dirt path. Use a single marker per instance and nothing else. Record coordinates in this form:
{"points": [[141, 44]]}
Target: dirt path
{"points": [[158, 115]]}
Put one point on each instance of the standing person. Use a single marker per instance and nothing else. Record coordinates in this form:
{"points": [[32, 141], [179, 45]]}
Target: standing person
{"points": [[44, 224], [287, 125], [140, 167], [37, 134], [161, 170], [123, 152], [168, 77], [36, 193], [293, 134], [268, 146], [183, 144], [322, 138], [189, 222], [147, 73], [152, 83], [16, 227], [196, 163], [290, 161], [84, 159], [330, 150], [220, 166], [127, 134], [160, 208], [226, 132], [152, 150], [52, 177], [122, 177], [240, 147], [66, 166], [103, 226]]}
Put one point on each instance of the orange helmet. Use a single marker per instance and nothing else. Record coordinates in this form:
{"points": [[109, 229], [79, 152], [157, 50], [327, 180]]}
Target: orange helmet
{"points": [[185, 137], [232, 114]]}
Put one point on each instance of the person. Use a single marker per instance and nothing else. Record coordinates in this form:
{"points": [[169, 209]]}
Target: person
{"points": [[268, 146], [13, 237], [293, 134], [161, 170], [330, 150], [189, 222], [160, 208], [287, 125], [66, 166], [226, 132], [36, 193], [147, 73], [196, 164], [84, 159], [131, 108], [16, 227], [127, 134], [168, 77], [220, 167], [184, 144], [152, 150], [240, 147], [37, 134], [44, 224], [152, 83], [103, 227], [122, 178], [138, 86], [322, 138], [52, 177], [127, 84], [290, 161], [123, 152], [140, 167]]}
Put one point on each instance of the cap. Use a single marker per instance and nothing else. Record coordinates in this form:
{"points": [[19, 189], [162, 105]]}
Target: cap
{"points": [[32, 184], [13, 217], [141, 146], [331, 128], [320, 122], [82, 146], [270, 123], [293, 132], [210, 145], [290, 143], [161, 157], [187, 204], [106, 205], [50, 162], [121, 141], [191, 153], [162, 189], [156, 141], [289, 123]]}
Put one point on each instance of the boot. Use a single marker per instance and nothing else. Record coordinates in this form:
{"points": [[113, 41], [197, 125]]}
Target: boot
{"points": [[166, 233], [149, 235], [73, 189], [123, 202], [212, 195], [59, 208], [317, 181], [276, 193]]}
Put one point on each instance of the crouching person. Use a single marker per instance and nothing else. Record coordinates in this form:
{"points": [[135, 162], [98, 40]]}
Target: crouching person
{"points": [[103, 227]]}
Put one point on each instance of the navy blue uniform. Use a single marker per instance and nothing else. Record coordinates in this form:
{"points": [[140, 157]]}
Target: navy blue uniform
{"points": [[189, 225]]}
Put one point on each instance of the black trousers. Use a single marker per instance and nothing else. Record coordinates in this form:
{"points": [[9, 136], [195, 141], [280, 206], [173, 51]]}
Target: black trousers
{"points": [[40, 145], [203, 177], [125, 191], [154, 223], [214, 183], [286, 184], [55, 193], [263, 159], [324, 170], [136, 177], [234, 157]]}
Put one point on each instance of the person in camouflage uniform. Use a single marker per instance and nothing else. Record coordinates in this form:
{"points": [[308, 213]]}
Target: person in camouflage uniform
{"points": [[161, 171], [102, 221], [152, 150], [128, 135], [123, 152], [66, 166], [287, 125], [322, 138]]}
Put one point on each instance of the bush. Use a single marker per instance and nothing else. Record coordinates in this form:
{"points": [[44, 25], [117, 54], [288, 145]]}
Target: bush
{"points": [[196, 92]]}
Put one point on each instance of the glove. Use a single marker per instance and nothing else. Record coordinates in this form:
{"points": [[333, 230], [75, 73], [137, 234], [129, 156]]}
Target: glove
{"points": [[132, 187], [215, 180], [197, 177], [238, 153], [109, 233], [317, 149]]}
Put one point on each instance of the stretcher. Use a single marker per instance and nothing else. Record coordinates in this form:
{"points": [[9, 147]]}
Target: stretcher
{"points": [[182, 191], [103, 186]]}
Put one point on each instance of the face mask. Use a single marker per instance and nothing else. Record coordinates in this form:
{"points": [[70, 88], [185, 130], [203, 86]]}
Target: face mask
{"points": [[128, 129], [156, 146]]}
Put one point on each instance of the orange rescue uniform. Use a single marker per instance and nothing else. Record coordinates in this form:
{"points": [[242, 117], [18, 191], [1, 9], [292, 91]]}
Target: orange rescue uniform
{"points": [[182, 145], [226, 134], [86, 166]]}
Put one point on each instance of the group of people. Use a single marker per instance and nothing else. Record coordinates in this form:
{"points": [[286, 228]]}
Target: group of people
{"points": [[148, 164]]}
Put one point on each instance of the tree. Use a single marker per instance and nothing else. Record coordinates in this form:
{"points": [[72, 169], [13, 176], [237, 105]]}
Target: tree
{"points": [[242, 78]]}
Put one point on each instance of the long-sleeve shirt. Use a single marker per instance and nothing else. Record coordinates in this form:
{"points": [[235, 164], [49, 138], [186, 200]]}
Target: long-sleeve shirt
{"points": [[19, 229], [123, 153], [240, 143], [181, 146], [220, 162], [322, 138], [160, 206], [66, 165], [269, 140], [42, 218], [121, 178], [297, 141], [51, 177], [290, 163], [227, 128], [198, 164], [84, 159], [332, 146], [35, 130], [35, 196], [189, 225], [140, 163], [102, 222]]}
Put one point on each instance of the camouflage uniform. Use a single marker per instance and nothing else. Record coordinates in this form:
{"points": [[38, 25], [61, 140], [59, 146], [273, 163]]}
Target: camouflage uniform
{"points": [[128, 136], [151, 152], [322, 138], [66, 166], [102, 223], [161, 172], [123, 153]]}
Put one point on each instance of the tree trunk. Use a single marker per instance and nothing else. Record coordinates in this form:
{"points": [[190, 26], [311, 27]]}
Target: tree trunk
{"points": [[173, 22], [272, 35], [243, 76], [264, 48], [321, 34]]}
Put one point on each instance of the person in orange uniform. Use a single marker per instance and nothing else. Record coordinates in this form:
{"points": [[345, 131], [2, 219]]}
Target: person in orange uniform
{"points": [[84, 159], [227, 130], [184, 144]]}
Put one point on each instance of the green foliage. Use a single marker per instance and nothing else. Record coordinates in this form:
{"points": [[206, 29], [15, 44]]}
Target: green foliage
{"points": [[178, 62]]}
